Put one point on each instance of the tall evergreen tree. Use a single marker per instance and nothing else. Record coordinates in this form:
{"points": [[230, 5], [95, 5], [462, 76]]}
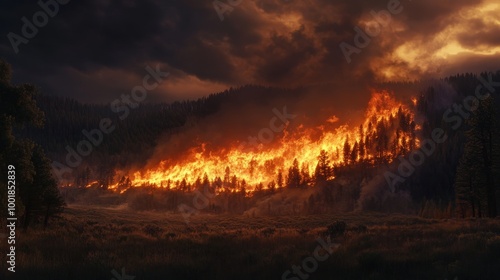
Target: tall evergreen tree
{"points": [[49, 201], [346, 152], [294, 178], [279, 179], [36, 186], [324, 169], [476, 173]]}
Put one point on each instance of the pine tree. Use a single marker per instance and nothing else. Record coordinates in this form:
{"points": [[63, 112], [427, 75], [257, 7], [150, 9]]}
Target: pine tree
{"points": [[475, 181], [279, 179], [324, 170], [305, 176], [381, 142], [361, 150], [293, 179], [227, 177], [347, 152], [354, 152], [36, 186], [51, 199]]}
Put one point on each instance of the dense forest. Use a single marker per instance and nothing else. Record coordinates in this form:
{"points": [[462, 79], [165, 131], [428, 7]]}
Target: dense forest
{"points": [[460, 177]]}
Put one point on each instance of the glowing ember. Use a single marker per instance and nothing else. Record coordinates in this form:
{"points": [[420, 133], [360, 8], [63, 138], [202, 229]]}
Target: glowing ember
{"points": [[92, 184], [414, 101]]}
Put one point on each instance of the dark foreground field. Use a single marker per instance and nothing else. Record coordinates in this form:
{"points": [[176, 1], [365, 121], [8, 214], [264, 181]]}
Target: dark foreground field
{"points": [[89, 243]]}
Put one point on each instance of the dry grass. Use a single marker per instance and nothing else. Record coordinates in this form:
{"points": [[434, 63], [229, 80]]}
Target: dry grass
{"points": [[87, 243]]}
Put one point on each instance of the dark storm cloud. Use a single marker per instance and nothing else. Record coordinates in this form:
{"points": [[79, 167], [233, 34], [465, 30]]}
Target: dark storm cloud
{"points": [[94, 50], [89, 36], [282, 55]]}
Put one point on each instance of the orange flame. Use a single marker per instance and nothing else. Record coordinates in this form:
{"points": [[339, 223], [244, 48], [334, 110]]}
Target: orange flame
{"points": [[261, 166]]}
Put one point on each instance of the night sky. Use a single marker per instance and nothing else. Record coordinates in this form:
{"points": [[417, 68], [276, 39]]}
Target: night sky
{"points": [[96, 50]]}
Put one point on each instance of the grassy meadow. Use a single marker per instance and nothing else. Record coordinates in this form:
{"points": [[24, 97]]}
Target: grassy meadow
{"points": [[89, 242]]}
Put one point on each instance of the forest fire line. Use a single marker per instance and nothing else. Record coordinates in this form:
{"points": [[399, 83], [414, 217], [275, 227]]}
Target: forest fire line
{"points": [[388, 131]]}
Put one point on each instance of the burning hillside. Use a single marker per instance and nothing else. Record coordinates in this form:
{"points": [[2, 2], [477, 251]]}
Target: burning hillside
{"points": [[388, 131]]}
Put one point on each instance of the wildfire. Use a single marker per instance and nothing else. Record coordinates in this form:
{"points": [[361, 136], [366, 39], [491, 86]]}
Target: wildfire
{"points": [[387, 131]]}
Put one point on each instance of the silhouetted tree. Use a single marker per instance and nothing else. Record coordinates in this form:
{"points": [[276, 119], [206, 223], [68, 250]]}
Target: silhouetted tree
{"points": [[50, 201], [475, 180], [324, 169], [293, 179], [347, 152], [279, 179], [36, 186]]}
